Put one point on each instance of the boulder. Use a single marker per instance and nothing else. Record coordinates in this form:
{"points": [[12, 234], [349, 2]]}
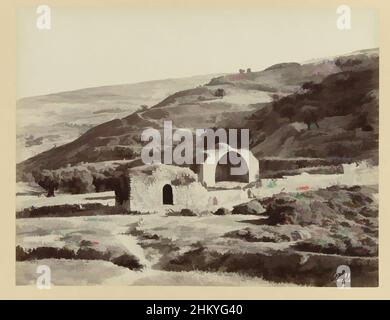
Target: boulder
{"points": [[332, 206], [251, 207], [258, 235], [187, 213], [222, 212]]}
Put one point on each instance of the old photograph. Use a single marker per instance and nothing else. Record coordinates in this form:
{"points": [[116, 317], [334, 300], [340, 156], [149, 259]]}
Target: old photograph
{"points": [[211, 147]]}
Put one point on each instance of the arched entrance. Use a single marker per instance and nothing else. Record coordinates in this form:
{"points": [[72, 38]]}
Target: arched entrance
{"points": [[208, 170], [223, 169], [167, 194]]}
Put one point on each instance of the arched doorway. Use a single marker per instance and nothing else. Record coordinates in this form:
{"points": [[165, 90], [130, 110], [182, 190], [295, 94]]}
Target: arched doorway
{"points": [[223, 169], [167, 194]]}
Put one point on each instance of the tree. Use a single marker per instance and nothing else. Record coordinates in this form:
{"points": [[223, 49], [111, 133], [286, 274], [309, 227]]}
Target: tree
{"points": [[48, 180], [308, 85], [220, 93], [312, 87], [309, 115], [76, 180], [287, 111], [275, 98]]}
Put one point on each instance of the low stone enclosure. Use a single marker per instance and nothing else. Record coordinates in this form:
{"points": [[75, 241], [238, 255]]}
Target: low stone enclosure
{"points": [[158, 188], [218, 166]]}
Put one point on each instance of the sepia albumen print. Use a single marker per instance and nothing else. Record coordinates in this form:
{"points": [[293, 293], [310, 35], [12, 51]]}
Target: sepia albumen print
{"points": [[198, 148]]}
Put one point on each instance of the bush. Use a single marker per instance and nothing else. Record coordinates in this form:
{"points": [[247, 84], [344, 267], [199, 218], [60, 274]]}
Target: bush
{"points": [[309, 115], [182, 212], [127, 261], [70, 210], [220, 93], [222, 212], [86, 178], [48, 180], [251, 207]]}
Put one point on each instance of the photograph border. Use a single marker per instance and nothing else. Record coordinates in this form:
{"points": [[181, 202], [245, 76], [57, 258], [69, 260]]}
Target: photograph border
{"points": [[8, 77]]}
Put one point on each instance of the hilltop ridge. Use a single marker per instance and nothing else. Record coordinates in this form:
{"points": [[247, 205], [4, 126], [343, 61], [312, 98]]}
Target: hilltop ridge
{"points": [[272, 103]]}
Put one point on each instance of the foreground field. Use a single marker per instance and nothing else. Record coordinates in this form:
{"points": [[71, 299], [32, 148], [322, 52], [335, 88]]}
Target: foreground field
{"points": [[297, 232], [111, 234], [92, 272], [295, 241]]}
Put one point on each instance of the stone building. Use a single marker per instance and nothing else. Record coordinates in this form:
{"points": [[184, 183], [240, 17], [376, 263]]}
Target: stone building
{"points": [[154, 188], [212, 170], [159, 187]]}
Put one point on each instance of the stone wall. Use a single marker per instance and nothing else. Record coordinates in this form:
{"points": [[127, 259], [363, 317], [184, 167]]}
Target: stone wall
{"points": [[208, 168], [225, 198], [146, 191]]}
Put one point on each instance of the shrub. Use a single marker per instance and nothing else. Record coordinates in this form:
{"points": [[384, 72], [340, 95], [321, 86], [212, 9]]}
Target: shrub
{"points": [[48, 180], [183, 212], [127, 261], [220, 93], [222, 212]]}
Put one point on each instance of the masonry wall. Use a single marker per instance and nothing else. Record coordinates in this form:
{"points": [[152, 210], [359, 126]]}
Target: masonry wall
{"points": [[146, 197], [225, 198], [146, 192], [207, 170]]}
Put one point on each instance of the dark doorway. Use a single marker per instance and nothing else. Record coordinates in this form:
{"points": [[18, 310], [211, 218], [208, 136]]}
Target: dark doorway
{"points": [[167, 194], [224, 166]]}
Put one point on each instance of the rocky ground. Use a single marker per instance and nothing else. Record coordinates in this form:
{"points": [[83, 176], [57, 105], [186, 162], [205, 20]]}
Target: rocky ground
{"points": [[295, 238]]}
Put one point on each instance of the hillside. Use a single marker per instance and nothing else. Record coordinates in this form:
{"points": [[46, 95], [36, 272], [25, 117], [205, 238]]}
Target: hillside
{"points": [[336, 118], [67, 115], [336, 98]]}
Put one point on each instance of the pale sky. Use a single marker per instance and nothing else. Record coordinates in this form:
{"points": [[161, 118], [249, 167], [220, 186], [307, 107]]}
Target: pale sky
{"points": [[96, 47]]}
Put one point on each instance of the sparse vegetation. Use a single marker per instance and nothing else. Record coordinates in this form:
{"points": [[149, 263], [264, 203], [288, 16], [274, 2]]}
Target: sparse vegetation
{"points": [[84, 253], [70, 210], [338, 108], [325, 112], [337, 99], [220, 93], [48, 180]]}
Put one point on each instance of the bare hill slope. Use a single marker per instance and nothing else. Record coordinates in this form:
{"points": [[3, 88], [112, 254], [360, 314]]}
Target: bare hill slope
{"points": [[47, 121], [326, 108]]}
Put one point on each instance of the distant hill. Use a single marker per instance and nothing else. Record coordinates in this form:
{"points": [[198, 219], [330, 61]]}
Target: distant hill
{"points": [[337, 98], [337, 118], [46, 121]]}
